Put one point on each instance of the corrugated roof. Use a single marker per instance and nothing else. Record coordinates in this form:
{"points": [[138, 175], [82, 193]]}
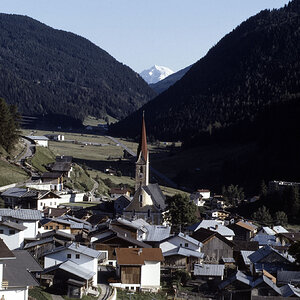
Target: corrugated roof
{"points": [[265, 239], [208, 270], [246, 225], [157, 233], [14, 192], [279, 229], [268, 230], [228, 259], [78, 270], [215, 226], [245, 255], [84, 250], [37, 137], [138, 256], [184, 252], [22, 214]]}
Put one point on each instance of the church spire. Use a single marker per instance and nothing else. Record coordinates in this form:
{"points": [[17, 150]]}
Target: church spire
{"points": [[142, 148], [142, 162]]}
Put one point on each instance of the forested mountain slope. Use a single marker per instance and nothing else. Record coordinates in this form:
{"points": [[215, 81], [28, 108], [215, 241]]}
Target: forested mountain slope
{"points": [[254, 66], [43, 70]]}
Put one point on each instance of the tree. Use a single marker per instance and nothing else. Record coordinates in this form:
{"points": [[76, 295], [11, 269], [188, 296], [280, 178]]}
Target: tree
{"points": [[281, 218], [262, 215], [233, 194], [181, 212], [263, 189]]}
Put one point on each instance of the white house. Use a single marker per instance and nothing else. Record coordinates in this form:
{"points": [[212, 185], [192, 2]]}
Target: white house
{"points": [[39, 140], [180, 240], [15, 277], [83, 256], [12, 234], [200, 196], [26, 217], [138, 268]]}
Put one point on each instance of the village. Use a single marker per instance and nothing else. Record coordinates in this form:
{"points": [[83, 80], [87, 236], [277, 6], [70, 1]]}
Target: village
{"points": [[126, 244]]}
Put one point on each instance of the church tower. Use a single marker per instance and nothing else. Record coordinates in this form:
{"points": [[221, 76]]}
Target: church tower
{"points": [[142, 162]]}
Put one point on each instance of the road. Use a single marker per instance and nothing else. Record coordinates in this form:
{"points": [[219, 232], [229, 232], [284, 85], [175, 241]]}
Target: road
{"points": [[29, 150], [166, 179]]}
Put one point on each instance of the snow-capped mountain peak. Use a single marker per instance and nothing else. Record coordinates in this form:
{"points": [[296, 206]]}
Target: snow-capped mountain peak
{"points": [[155, 74]]}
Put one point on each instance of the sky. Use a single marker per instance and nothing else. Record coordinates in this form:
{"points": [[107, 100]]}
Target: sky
{"points": [[141, 33]]}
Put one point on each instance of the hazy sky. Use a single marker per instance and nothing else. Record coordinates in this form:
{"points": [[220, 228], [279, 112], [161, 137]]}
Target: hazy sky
{"points": [[141, 33]]}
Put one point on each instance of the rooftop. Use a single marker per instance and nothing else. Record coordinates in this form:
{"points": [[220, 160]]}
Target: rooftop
{"points": [[138, 256], [208, 270], [22, 214]]}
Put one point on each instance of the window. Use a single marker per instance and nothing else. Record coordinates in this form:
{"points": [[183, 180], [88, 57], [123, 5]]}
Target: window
{"points": [[141, 200], [149, 213], [57, 227], [186, 244], [69, 255], [12, 231], [1, 231], [50, 203], [180, 245], [41, 204], [54, 203], [132, 288], [64, 226], [51, 227], [46, 227], [77, 256], [110, 263]]}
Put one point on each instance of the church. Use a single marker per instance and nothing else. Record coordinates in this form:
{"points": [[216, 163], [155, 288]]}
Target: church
{"points": [[148, 202]]}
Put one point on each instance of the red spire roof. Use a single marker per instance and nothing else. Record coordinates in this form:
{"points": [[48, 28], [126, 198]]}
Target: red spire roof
{"points": [[143, 141]]}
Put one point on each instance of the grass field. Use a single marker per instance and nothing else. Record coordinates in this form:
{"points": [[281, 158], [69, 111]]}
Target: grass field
{"points": [[79, 180], [11, 174], [42, 157], [92, 121]]}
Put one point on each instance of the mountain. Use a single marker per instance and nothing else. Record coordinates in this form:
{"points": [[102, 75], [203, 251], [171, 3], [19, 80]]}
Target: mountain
{"points": [[155, 74], [254, 66], [46, 71], [164, 84]]}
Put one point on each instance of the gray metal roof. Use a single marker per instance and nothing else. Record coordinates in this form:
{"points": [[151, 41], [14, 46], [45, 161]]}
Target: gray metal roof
{"points": [[13, 225], [228, 259], [279, 229], [245, 255], [14, 192], [156, 194], [22, 214], [268, 230], [39, 242], [264, 252], [78, 270], [37, 137], [84, 250], [266, 239], [17, 271], [285, 277], [183, 252], [156, 233], [208, 270], [215, 226]]}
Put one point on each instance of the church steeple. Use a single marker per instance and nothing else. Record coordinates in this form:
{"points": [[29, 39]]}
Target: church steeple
{"points": [[142, 162]]}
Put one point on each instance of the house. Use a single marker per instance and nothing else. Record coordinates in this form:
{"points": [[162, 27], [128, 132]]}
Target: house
{"points": [[111, 238], [218, 214], [62, 167], [181, 251], [117, 192], [200, 196], [213, 225], [15, 273], [269, 259], [26, 217], [148, 201], [120, 203], [39, 140], [55, 179], [243, 230], [86, 258], [265, 239], [288, 238], [52, 212], [55, 137], [12, 234], [15, 197], [209, 271], [138, 269], [215, 246], [71, 279], [288, 277]]}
